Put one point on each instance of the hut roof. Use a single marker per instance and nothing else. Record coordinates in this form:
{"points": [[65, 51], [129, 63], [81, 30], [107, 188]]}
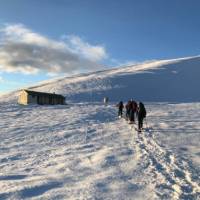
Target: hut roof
{"points": [[44, 94]]}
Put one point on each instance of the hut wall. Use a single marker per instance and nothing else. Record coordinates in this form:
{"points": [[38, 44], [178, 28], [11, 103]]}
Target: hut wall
{"points": [[32, 98], [23, 98], [27, 98], [42, 99]]}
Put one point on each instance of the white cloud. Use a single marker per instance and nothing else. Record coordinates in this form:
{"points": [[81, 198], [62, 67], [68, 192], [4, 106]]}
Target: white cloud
{"points": [[95, 53], [24, 51]]}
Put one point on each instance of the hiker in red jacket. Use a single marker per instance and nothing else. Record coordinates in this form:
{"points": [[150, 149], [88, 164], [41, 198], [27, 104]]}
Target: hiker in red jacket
{"points": [[133, 111], [128, 109]]}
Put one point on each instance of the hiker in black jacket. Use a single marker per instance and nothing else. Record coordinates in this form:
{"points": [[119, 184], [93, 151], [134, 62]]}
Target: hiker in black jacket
{"points": [[141, 115], [120, 106]]}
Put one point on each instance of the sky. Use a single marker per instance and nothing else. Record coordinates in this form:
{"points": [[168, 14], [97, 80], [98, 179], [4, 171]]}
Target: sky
{"points": [[42, 39]]}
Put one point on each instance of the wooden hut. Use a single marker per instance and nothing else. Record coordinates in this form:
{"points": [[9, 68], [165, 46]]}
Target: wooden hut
{"points": [[33, 97]]}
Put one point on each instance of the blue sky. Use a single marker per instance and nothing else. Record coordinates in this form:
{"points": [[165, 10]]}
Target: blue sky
{"points": [[56, 37]]}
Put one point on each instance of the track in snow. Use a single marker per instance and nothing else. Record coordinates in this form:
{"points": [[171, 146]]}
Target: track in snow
{"points": [[170, 176], [87, 153]]}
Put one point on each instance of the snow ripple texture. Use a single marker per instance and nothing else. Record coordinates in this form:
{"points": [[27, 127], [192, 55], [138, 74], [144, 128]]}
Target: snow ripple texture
{"points": [[170, 176], [83, 151]]}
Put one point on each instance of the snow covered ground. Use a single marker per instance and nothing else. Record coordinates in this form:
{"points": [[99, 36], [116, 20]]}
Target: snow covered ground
{"points": [[83, 151]]}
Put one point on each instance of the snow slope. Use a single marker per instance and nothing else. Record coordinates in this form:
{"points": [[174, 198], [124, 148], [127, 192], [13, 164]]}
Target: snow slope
{"points": [[158, 81], [83, 151]]}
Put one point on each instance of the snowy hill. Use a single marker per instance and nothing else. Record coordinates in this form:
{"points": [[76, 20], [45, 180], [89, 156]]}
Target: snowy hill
{"points": [[83, 151], [158, 81]]}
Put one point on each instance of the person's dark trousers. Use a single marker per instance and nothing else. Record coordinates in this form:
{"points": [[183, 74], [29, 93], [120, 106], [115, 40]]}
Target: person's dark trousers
{"points": [[132, 116], [127, 114], [120, 112], [140, 122]]}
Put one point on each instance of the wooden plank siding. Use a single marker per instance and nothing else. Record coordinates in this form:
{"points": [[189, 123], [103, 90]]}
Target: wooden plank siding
{"points": [[33, 97]]}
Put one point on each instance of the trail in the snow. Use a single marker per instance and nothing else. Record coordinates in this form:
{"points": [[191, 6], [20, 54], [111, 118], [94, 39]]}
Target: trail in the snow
{"points": [[86, 152], [170, 176]]}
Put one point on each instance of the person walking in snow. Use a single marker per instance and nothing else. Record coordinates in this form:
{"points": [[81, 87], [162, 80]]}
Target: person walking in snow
{"points": [[120, 106], [141, 115], [133, 109], [128, 109], [105, 101]]}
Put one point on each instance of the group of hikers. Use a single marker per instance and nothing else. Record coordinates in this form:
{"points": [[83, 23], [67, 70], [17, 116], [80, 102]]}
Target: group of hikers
{"points": [[133, 110]]}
